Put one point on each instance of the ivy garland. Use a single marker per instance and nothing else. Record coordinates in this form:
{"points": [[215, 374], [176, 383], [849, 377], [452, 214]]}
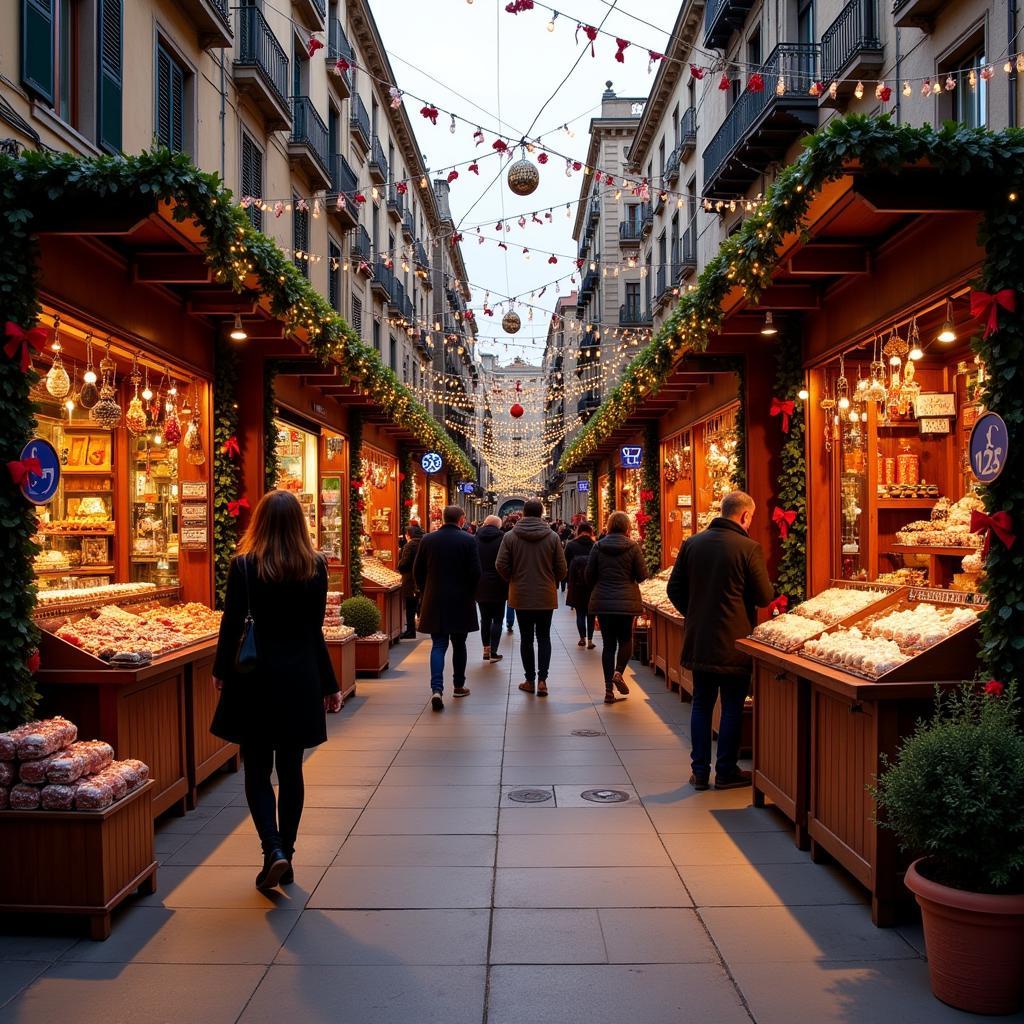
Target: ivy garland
{"points": [[227, 470], [592, 497], [271, 463], [650, 497], [405, 491], [355, 501]]}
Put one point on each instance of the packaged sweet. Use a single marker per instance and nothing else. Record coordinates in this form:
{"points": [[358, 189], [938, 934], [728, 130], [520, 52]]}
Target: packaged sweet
{"points": [[37, 739], [4, 792], [139, 767], [127, 772], [111, 777], [57, 797], [24, 797], [83, 758], [34, 772], [92, 796], [6, 773]]}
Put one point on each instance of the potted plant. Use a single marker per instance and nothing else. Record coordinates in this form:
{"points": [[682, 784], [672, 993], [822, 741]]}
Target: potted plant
{"points": [[954, 797], [363, 616]]}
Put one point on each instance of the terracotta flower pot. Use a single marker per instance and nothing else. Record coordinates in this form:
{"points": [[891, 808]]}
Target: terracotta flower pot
{"points": [[975, 945]]}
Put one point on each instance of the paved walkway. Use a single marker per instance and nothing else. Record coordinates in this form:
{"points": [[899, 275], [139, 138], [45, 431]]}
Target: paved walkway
{"points": [[425, 895]]}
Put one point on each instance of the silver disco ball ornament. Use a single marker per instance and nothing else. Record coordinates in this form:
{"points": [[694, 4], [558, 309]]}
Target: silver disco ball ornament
{"points": [[523, 177], [511, 322]]}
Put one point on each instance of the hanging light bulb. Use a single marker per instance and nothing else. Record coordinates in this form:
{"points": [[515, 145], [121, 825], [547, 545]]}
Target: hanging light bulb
{"points": [[803, 394], [769, 330], [947, 333], [451, 127], [858, 90], [89, 376], [238, 333], [551, 23], [915, 353]]}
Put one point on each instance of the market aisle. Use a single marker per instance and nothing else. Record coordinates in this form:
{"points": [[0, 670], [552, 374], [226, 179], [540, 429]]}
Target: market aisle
{"points": [[425, 894]]}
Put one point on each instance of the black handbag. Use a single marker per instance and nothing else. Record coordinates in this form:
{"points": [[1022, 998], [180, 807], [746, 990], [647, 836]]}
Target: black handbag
{"points": [[246, 657]]}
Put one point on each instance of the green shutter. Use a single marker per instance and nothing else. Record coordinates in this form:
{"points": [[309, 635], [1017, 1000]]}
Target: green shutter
{"points": [[163, 97], [37, 47], [111, 61]]}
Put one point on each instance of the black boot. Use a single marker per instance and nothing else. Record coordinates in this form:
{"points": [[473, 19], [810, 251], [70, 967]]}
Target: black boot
{"points": [[288, 878], [275, 864]]}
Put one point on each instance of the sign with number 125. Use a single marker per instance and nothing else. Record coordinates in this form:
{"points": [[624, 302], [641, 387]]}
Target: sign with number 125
{"points": [[990, 441]]}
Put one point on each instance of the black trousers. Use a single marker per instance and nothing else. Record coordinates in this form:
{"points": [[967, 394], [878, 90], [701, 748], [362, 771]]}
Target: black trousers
{"points": [[276, 821], [616, 644], [491, 613], [539, 623], [410, 614]]}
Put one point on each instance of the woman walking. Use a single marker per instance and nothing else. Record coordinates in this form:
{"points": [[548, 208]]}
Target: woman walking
{"points": [[492, 590], [614, 568], [406, 561], [274, 708], [577, 552]]}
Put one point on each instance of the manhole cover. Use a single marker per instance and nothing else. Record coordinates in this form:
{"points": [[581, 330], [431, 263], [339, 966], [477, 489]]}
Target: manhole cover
{"points": [[605, 796], [530, 796], [587, 732]]}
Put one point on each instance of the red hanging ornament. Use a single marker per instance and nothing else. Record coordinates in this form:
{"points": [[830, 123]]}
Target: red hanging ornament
{"points": [[478, 137], [235, 507], [590, 32], [577, 165], [552, 259], [784, 408], [340, 66], [999, 523], [778, 606], [653, 57], [622, 45], [401, 188], [883, 92], [516, 411], [407, 502], [499, 146], [21, 468], [579, 264], [456, 238], [518, 6], [723, 83], [542, 158], [360, 198], [315, 43], [697, 73], [993, 688], [783, 519], [755, 83], [20, 344], [816, 89], [452, 175], [430, 113], [473, 168], [34, 661], [356, 482]]}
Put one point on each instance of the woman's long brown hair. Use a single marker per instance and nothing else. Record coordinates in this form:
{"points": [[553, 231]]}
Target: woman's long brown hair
{"points": [[278, 540]]}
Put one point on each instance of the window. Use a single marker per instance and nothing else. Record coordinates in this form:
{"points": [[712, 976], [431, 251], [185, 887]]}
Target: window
{"points": [[633, 299], [68, 14], [300, 70], [661, 161], [393, 362], [171, 79], [334, 274], [376, 335], [300, 235], [675, 239], [357, 316], [967, 103], [805, 21], [754, 49], [252, 178], [675, 126]]}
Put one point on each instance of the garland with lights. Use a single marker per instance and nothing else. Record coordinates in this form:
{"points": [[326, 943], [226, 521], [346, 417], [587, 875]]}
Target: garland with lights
{"points": [[271, 464], [405, 490], [609, 495], [650, 499], [227, 468], [592, 497], [355, 501]]}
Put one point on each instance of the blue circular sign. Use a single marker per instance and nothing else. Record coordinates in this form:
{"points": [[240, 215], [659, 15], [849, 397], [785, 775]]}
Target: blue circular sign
{"points": [[990, 443], [431, 462], [40, 488]]}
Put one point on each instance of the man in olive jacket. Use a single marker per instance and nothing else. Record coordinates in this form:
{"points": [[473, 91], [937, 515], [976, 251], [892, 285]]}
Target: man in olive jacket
{"points": [[532, 560], [718, 582]]}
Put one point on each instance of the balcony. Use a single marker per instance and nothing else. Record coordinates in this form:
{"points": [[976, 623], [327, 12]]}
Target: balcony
{"points": [[423, 261], [629, 234], [359, 122], [685, 262], [663, 286], [408, 227], [396, 203], [762, 126], [632, 314], [589, 354], [687, 133], [312, 12], [261, 69], [421, 340], [916, 13], [587, 405], [343, 183], [397, 297], [584, 245], [671, 175], [722, 18], [308, 145], [646, 219], [850, 47], [594, 211], [338, 47], [378, 162], [212, 20], [589, 283], [361, 249], [383, 284]]}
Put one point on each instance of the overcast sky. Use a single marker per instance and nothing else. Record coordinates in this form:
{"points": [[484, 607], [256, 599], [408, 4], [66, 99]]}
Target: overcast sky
{"points": [[498, 69]]}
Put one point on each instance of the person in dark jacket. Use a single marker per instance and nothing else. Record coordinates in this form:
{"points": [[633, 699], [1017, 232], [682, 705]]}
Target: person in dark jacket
{"points": [[447, 572], [276, 710], [492, 590], [577, 551], [718, 582], [615, 566], [406, 561]]}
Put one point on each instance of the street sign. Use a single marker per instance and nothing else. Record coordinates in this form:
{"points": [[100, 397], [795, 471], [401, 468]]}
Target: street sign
{"points": [[41, 489], [583, 486], [432, 462], [632, 456], [990, 442]]}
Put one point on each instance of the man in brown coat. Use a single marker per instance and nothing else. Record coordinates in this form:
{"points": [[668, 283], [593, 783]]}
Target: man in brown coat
{"points": [[532, 560]]}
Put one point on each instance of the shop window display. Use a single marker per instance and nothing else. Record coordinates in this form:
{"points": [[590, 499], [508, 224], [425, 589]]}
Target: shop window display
{"points": [[297, 469]]}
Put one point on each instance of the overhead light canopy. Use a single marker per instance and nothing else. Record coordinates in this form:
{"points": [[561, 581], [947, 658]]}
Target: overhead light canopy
{"points": [[238, 331], [769, 330], [947, 333]]}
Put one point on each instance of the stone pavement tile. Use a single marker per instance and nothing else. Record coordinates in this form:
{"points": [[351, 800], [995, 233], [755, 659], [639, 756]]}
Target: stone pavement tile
{"points": [[160, 935], [882, 992], [245, 851], [572, 796], [36, 945], [338, 756], [369, 995], [228, 888], [410, 937], [770, 885], [427, 821], [167, 843], [578, 776], [422, 741], [735, 848], [780, 934], [221, 793], [190, 823], [640, 759], [688, 817], [450, 726], [661, 792], [581, 851], [913, 934], [651, 994], [547, 937], [655, 936], [140, 993], [15, 977], [551, 758], [434, 796], [343, 775], [352, 743], [402, 888], [507, 801], [588, 744], [663, 741], [452, 775], [416, 757], [574, 821], [410, 851], [589, 887], [320, 821], [326, 795]]}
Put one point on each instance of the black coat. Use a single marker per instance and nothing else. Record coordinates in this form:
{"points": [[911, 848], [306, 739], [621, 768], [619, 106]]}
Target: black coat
{"points": [[447, 572], [718, 582], [491, 589], [578, 551], [406, 561], [282, 701], [615, 566]]}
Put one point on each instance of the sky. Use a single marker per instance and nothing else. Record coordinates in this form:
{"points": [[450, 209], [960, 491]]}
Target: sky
{"points": [[497, 70]]}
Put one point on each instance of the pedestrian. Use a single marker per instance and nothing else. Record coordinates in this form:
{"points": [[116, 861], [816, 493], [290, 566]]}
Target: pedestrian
{"points": [[277, 589], [406, 561], [577, 551], [717, 583], [510, 613], [615, 567], [532, 560], [492, 590], [447, 571]]}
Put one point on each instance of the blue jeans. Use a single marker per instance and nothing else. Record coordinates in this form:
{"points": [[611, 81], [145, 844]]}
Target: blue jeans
{"points": [[438, 650], [490, 623], [510, 615], [706, 688]]}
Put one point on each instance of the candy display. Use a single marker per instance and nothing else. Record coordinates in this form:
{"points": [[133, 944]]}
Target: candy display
{"points": [[837, 603], [191, 618], [920, 626], [66, 766], [35, 740], [850, 649], [787, 632], [23, 797], [948, 527], [376, 572], [115, 631], [334, 621], [340, 632], [905, 577], [654, 591], [45, 598]]}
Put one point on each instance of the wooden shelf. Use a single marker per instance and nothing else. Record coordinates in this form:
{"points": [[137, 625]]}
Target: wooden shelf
{"points": [[901, 426], [85, 471], [90, 570], [76, 533], [927, 549], [907, 503]]}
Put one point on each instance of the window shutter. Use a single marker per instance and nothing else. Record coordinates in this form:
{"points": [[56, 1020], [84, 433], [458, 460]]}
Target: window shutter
{"points": [[163, 97], [252, 178], [177, 108], [357, 316], [111, 47], [37, 47], [300, 235], [334, 276]]}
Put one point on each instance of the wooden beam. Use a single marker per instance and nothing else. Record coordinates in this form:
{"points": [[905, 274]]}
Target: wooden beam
{"points": [[202, 303], [265, 330], [919, 191], [69, 217], [829, 259], [171, 268], [741, 325], [789, 296]]}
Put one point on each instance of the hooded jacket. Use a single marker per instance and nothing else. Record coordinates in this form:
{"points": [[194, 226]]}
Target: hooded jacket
{"points": [[491, 589], [615, 567], [532, 560], [577, 551]]}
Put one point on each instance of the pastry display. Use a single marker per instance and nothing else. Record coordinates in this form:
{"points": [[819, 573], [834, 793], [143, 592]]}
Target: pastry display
{"points": [[948, 527], [905, 577], [334, 621], [85, 757], [850, 649], [787, 632], [376, 572], [109, 590], [654, 592], [114, 632], [36, 740], [837, 603], [339, 632], [920, 626], [192, 618]]}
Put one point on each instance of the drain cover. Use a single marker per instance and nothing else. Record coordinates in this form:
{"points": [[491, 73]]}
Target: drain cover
{"points": [[605, 796], [587, 732], [530, 796]]}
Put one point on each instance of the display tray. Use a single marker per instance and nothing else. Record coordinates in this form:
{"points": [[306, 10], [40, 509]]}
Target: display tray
{"points": [[389, 588], [58, 654], [907, 503], [929, 549], [87, 603]]}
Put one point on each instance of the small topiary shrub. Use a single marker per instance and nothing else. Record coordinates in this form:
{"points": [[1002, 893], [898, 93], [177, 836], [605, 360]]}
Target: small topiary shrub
{"points": [[361, 614]]}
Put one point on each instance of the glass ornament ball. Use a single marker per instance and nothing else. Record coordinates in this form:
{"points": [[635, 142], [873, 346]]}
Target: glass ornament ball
{"points": [[511, 323], [523, 177]]}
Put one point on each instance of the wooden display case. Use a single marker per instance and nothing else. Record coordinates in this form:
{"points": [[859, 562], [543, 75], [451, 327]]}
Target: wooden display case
{"points": [[678, 514], [343, 659], [379, 473], [205, 753], [391, 606]]}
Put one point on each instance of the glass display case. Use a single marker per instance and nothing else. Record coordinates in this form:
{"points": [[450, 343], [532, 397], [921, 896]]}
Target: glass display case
{"points": [[154, 512], [297, 469]]}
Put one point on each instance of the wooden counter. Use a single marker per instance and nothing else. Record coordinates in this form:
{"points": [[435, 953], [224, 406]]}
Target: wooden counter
{"points": [[205, 753], [391, 606], [343, 658]]}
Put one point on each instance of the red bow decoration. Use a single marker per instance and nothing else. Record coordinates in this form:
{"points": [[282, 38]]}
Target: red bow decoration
{"points": [[755, 83], [34, 661], [653, 57], [622, 44], [230, 447], [456, 238], [552, 259], [341, 66], [359, 197], [993, 688], [313, 45], [452, 175], [723, 83], [430, 113], [579, 264], [577, 165], [519, 5], [21, 468], [542, 158], [590, 32], [21, 343], [696, 72], [647, 495], [779, 605], [784, 408], [499, 146], [986, 307], [999, 523], [783, 519], [401, 188], [885, 93], [235, 507], [473, 168]]}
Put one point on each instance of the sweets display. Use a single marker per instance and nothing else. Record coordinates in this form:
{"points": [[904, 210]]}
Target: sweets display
{"points": [[921, 626], [654, 592], [191, 618], [334, 621], [66, 766], [837, 603], [35, 740], [376, 572], [341, 632], [787, 632], [905, 577], [851, 649], [46, 598], [948, 527]]}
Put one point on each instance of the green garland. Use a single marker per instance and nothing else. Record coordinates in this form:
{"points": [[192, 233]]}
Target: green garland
{"points": [[355, 502], [791, 485], [271, 463], [405, 491], [650, 483], [227, 468], [609, 494], [592, 497]]}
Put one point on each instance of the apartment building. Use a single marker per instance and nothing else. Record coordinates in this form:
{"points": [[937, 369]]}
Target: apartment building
{"points": [[701, 145]]}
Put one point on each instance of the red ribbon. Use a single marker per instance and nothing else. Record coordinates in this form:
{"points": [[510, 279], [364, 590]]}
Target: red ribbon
{"points": [[230, 447], [985, 306], [696, 72], [21, 343], [779, 605], [590, 32], [784, 408], [620, 52], [999, 523], [430, 113], [235, 507], [21, 468], [783, 519], [313, 45]]}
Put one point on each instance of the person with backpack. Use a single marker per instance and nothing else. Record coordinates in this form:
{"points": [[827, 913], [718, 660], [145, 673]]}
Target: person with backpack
{"points": [[577, 552], [492, 590]]}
